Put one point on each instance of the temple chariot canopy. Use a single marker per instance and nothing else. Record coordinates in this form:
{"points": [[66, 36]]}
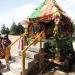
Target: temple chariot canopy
{"points": [[51, 19], [46, 10]]}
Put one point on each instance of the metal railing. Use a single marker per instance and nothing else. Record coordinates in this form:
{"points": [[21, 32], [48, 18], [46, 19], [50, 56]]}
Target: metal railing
{"points": [[7, 52], [24, 51]]}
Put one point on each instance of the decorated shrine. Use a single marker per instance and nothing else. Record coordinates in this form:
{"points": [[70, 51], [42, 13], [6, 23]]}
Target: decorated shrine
{"points": [[57, 30], [51, 19]]}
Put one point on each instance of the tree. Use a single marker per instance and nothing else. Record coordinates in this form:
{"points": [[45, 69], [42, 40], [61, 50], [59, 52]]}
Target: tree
{"points": [[3, 30], [16, 29], [7, 30], [20, 29], [13, 29]]}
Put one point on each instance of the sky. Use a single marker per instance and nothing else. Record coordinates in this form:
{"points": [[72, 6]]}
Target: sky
{"points": [[18, 10]]}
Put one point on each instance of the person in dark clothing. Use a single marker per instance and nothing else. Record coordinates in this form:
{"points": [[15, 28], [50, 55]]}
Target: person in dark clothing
{"points": [[6, 42]]}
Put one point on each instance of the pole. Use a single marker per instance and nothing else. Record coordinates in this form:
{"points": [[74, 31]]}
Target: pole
{"points": [[39, 55], [7, 55], [23, 62], [40, 44]]}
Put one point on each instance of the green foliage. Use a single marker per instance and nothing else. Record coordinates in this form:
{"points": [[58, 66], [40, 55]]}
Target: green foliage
{"points": [[20, 29], [62, 45], [16, 29], [50, 47], [13, 29], [65, 46], [5, 30]]}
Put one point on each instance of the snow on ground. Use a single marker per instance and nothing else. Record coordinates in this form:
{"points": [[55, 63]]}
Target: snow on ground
{"points": [[14, 48]]}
